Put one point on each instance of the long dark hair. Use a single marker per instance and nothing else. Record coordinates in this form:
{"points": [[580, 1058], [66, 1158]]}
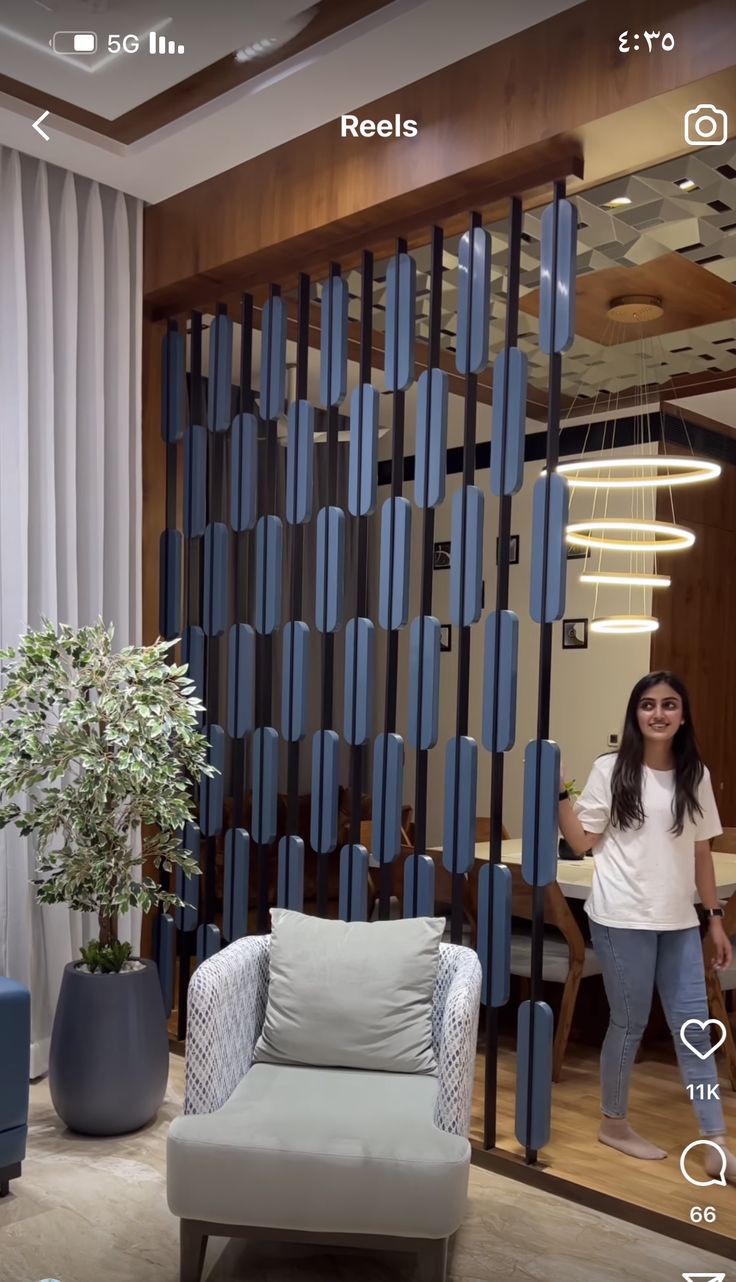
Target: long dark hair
{"points": [[626, 805]]}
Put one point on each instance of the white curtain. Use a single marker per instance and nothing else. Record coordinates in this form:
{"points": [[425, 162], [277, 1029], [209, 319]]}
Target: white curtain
{"points": [[70, 476]]}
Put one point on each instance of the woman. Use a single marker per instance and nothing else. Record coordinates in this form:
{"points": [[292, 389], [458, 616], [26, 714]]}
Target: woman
{"points": [[649, 814]]}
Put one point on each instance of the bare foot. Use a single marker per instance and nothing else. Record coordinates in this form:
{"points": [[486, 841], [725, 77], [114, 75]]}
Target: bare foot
{"points": [[616, 1132], [714, 1162]]}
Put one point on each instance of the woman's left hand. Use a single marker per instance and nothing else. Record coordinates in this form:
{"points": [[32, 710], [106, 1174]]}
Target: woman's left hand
{"points": [[723, 952]]}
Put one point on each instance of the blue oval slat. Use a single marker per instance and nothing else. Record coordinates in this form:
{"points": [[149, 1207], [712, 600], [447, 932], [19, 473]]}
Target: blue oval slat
{"points": [[421, 867], [192, 653], [219, 389], [244, 472], [269, 548], [388, 779], [424, 681], [273, 358], [169, 617], [333, 367], [294, 680], [547, 752], [353, 901], [187, 888], [208, 942], [290, 883], [558, 260], [195, 481], [241, 669], [466, 611], [498, 876], [430, 465], [235, 886], [173, 385], [211, 790], [393, 594], [329, 569], [360, 677], [265, 784], [474, 302], [499, 681], [215, 573], [164, 954], [325, 784], [300, 462], [540, 1084], [546, 607], [509, 421], [458, 850], [363, 450], [401, 310]]}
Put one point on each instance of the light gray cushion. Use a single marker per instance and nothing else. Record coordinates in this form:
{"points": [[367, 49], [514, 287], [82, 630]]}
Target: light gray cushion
{"points": [[555, 959], [321, 1150], [351, 994]]}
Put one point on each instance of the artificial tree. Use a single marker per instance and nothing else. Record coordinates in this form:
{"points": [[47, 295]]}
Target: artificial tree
{"points": [[95, 745]]}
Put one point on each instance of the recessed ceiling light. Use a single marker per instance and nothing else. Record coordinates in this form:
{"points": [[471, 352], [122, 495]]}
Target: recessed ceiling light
{"points": [[617, 202], [687, 184], [256, 50]]}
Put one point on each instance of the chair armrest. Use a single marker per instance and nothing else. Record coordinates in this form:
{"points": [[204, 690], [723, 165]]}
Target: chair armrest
{"points": [[226, 1008], [457, 1009]]}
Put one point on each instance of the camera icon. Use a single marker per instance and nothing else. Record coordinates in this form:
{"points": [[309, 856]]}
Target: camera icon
{"points": [[706, 126]]}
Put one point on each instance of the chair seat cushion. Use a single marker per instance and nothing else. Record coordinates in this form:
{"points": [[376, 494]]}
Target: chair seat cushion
{"points": [[321, 1150], [556, 958]]}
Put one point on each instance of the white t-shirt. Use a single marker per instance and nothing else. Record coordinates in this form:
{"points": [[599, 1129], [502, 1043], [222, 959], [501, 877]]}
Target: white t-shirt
{"points": [[644, 878]]}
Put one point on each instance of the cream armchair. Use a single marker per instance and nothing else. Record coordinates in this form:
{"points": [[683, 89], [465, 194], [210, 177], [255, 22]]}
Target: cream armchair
{"points": [[341, 1157]]}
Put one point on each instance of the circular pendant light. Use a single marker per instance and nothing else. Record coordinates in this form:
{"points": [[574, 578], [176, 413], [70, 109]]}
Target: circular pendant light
{"points": [[625, 625], [624, 579], [609, 534], [646, 472]]}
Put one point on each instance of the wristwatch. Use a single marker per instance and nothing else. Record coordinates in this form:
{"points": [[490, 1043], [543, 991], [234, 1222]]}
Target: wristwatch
{"points": [[714, 912], [564, 795]]}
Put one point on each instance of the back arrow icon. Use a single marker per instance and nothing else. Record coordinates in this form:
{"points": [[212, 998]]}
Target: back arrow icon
{"points": [[37, 125]]}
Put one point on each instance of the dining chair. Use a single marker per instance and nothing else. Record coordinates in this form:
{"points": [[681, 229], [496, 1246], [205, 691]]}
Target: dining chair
{"points": [[721, 982], [567, 959], [726, 842]]}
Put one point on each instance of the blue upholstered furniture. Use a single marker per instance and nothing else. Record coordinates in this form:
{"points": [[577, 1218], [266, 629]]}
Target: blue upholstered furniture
{"points": [[15, 1049]]}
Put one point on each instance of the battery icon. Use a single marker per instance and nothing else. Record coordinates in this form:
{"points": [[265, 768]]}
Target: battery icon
{"points": [[74, 42]]}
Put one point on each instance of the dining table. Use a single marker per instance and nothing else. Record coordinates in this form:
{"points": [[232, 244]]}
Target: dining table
{"points": [[575, 876]]}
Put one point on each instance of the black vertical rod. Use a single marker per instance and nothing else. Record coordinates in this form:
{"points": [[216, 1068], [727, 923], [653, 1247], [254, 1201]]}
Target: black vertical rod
{"points": [[296, 533], [357, 751], [422, 754], [240, 548], [545, 662], [264, 646], [392, 639], [497, 758], [463, 664], [328, 638]]}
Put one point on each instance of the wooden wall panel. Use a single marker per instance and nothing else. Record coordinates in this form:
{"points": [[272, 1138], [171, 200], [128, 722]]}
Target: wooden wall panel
{"points": [[698, 624]]}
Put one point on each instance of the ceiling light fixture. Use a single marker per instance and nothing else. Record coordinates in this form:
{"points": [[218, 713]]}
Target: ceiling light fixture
{"points": [[256, 50], [665, 470], [687, 184], [635, 309], [618, 202], [659, 536], [624, 624], [633, 580]]}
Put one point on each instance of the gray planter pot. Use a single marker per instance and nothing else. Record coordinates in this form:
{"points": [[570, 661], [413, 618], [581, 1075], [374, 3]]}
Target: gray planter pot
{"points": [[109, 1057]]}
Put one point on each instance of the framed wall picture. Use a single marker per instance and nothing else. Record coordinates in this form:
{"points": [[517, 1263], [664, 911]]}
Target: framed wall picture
{"points": [[513, 550], [445, 637], [574, 634], [442, 559]]}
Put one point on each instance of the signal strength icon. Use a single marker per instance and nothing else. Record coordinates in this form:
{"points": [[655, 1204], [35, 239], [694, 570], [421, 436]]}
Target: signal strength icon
{"points": [[159, 44]]}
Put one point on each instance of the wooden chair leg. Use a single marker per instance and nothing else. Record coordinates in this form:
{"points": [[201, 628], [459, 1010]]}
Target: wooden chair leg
{"points": [[564, 1023], [192, 1248], [432, 1260]]}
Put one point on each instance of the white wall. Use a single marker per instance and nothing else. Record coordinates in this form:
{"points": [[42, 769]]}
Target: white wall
{"points": [[589, 687]]}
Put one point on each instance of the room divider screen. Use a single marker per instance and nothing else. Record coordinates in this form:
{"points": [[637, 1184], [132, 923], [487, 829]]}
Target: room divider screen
{"points": [[235, 585]]}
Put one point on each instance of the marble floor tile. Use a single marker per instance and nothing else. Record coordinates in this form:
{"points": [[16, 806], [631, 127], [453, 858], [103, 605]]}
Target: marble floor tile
{"points": [[94, 1210]]}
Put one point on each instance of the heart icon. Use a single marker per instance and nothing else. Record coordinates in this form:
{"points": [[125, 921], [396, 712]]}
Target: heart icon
{"points": [[702, 1023]]}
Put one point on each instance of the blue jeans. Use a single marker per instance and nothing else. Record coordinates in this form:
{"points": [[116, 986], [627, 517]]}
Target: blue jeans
{"points": [[632, 962]]}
